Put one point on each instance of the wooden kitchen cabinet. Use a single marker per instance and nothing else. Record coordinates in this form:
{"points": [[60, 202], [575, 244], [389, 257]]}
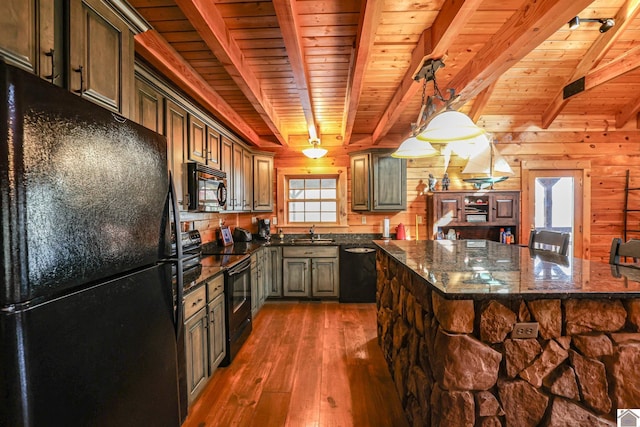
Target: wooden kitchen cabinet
{"points": [[195, 337], [148, 111], [474, 214], [41, 36], [310, 271], [247, 180], [262, 183], [177, 134], [378, 182], [324, 277], [296, 277], [28, 35], [204, 143], [197, 140], [216, 317], [360, 182], [213, 148], [273, 271], [101, 56], [217, 335]]}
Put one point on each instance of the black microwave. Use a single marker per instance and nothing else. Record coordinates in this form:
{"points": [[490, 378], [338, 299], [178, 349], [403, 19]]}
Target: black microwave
{"points": [[207, 188]]}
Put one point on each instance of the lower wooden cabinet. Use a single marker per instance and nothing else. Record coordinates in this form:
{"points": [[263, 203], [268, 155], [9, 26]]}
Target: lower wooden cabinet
{"points": [[205, 333], [217, 333], [310, 271], [273, 272], [195, 330]]}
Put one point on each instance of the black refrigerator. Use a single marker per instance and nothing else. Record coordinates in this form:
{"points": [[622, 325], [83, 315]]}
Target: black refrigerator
{"points": [[87, 320]]}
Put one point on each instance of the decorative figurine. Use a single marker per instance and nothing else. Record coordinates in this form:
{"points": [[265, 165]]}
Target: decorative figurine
{"points": [[432, 182], [445, 182]]}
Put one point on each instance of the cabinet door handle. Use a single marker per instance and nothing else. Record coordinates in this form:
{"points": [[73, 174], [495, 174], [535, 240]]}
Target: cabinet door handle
{"points": [[80, 70], [197, 302], [53, 74]]}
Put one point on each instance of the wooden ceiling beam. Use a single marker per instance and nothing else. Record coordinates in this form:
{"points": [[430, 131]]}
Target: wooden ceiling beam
{"points": [[433, 43], [207, 20], [287, 19], [155, 49], [481, 101], [525, 30], [627, 112], [592, 58], [369, 19]]}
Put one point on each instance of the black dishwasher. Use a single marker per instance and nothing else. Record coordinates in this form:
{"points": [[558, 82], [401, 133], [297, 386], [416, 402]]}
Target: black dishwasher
{"points": [[357, 273]]}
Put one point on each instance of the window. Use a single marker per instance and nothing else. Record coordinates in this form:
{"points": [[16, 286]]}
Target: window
{"points": [[312, 199], [312, 196]]}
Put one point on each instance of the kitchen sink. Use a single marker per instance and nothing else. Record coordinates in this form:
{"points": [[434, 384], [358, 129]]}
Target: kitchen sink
{"points": [[312, 241]]}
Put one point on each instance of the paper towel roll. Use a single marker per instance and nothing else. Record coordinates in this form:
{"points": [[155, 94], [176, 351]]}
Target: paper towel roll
{"points": [[385, 228]]}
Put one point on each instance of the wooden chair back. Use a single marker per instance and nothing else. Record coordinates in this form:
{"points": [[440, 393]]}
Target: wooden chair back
{"points": [[629, 249], [547, 240]]}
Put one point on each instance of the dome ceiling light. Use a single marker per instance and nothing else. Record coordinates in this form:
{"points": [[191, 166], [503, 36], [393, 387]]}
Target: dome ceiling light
{"points": [[315, 152]]}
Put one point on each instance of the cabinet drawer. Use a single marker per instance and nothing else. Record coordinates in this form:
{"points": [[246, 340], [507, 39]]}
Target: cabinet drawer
{"points": [[310, 252], [194, 301], [215, 287]]}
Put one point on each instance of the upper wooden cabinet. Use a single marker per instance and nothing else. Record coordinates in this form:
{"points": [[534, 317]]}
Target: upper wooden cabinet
{"points": [[27, 35], [91, 36], [101, 56], [213, 148], [177, 134], [262, 183], [193, 136], [149, 110], [204, 143], [378, 182]]}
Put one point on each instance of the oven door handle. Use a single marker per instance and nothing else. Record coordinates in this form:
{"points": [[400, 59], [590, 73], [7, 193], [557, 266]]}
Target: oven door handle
{"points": [[239, 268]]}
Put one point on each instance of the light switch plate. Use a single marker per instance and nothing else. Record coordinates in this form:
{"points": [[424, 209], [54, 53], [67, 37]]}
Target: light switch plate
{"points": [[364, 219], [525, 330]]}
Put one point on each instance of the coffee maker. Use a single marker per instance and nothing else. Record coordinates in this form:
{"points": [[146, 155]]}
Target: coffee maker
{"points": [[264, 229]]}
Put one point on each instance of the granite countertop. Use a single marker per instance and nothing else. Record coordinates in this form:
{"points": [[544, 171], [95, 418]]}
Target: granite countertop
{"points": [[252, 246], [486, 269]]}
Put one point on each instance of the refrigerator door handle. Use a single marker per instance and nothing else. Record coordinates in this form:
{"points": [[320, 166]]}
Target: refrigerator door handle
{"points": [[179, 321]]}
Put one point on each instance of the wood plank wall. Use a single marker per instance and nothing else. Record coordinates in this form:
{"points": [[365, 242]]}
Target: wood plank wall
{"points": [[611, 153]]}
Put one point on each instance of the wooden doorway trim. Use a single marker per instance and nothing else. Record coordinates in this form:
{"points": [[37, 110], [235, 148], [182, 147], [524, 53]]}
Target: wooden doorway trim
{"points": [[584, 169]]}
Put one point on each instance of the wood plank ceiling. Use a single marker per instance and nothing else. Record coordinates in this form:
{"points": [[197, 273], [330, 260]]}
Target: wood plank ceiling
{"points": [[280, 72]]}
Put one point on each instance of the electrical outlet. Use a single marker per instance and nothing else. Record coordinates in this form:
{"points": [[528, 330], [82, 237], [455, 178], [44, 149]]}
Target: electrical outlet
{"points": [[364, 219], [254, 220], [419, 219], [525, 330], [274, 220]]}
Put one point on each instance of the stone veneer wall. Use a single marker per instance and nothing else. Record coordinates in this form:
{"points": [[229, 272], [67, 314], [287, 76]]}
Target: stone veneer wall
{"points": [[454, 364]]}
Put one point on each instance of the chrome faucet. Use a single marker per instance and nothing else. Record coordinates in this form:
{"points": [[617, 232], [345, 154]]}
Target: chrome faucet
{"points": [[312, 232]]}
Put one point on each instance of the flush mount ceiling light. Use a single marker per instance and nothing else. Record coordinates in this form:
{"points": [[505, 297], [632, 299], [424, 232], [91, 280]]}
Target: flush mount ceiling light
{"points": [[447, 126], [607, 23], [314, 152]]}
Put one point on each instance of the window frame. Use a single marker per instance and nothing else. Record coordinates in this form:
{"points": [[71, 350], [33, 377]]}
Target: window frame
{"points": [[283, 176]]}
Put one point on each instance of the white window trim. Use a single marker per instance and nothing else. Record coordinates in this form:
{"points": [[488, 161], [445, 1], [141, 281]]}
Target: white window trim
{"points": [[309, 172]]}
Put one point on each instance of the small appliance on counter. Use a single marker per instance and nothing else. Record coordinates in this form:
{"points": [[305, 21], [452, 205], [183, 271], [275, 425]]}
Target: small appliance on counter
{"points": [[241, 235], [264, 229]]}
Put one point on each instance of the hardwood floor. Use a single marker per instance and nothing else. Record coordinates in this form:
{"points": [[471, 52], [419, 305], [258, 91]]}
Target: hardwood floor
{"points": [[305, 364]]}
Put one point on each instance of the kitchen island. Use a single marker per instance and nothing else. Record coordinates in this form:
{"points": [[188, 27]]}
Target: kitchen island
{"points": [[447, 315]]}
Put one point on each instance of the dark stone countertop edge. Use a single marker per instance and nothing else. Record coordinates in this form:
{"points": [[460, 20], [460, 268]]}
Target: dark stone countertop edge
{"points": [[527, 296]]}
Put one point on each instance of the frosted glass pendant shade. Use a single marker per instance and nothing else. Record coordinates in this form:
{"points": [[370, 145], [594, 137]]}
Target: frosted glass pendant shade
{"points": [[413, 148], [450, 125], [315, 152]]}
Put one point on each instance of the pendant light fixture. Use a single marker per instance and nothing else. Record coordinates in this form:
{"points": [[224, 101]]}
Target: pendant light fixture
{"points": [[315, 152], [444, 127]]}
